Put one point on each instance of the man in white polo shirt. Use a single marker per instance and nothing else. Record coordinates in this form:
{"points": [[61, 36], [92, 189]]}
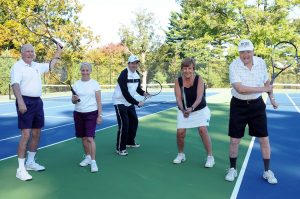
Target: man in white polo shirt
{"points": [[249, 79], [27, 87]]}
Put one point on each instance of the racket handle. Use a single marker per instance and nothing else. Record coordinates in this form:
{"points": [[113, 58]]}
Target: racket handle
{"points": [[56, 42], [74, 93]]}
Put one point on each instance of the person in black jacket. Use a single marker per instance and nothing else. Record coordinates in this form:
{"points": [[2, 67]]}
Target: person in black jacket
{"points": [[129, 83]]}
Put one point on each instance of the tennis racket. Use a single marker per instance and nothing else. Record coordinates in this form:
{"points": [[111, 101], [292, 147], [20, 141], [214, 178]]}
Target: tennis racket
{"points": [[39, 27], [284, 55], [183, 98], [153, 88], [61, 72]]}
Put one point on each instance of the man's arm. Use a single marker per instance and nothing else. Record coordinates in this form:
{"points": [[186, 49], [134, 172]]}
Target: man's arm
{"points": [[20, 101], [122, 81], [242, 89], [56, 55]]}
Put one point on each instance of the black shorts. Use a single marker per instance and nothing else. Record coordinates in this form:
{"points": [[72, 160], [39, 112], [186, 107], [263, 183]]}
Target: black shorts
{"points": [[251, 112]]}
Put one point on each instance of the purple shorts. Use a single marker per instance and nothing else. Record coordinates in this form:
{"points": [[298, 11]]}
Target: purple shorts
{"points": [[33, 118], [85, 123]]}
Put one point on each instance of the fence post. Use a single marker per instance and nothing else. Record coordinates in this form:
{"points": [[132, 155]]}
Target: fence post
{"points": [[9, 92]]}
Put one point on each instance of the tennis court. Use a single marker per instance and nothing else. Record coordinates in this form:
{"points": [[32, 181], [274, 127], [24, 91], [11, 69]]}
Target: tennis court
{"points": [[148, 172]]}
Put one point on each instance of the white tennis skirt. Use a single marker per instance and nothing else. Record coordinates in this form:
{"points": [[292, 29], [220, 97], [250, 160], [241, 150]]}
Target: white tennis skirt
{"points": [[195, 119]]}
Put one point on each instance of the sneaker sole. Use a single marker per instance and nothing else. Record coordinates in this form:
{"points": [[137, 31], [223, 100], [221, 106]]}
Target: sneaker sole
{"points": [[182, 161], [30, 169]]}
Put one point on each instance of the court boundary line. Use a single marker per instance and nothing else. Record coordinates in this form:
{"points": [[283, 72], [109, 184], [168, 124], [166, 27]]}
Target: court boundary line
{"points": [[292, 101], [62, 141], [242, 171]]}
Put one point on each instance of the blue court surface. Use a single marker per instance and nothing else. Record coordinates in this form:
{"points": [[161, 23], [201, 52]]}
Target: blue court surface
{"points": [[283, 124]]}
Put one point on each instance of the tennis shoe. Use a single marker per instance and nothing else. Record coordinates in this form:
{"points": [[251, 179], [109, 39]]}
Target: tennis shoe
{"points": [[210, 162], [231, 174], [135, 145], [122, 152], [86, 161], [180, 158], [94, 167], [23, 175], [33, 166], [269, 176]]}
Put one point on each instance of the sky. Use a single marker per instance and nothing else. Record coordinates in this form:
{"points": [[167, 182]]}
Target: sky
{"points": [[105, 17]]}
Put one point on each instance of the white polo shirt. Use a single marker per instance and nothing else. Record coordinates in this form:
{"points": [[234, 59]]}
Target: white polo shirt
{"points": [[28, 77], [256, 77], [86, 90]]}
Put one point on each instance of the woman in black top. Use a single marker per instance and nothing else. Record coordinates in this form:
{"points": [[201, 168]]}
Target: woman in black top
{"points": [[192, 110]]}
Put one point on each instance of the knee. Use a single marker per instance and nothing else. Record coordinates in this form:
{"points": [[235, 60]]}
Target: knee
{"points": [[180, 134], [234, 142]]}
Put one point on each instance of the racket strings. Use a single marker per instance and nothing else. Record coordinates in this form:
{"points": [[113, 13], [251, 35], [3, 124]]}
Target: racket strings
{"points": [[284, 55]]}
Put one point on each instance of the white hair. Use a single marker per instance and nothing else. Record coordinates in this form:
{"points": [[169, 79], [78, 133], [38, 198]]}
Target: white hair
{"points": [[26, 47], [86, 64]]}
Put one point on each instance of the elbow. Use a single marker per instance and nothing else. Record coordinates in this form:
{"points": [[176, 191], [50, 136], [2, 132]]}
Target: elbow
{"points": [[240, 89]]}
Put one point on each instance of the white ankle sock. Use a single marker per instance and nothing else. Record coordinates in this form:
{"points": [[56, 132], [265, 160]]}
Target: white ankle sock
{"points": [[21, 163], [30, 157]]}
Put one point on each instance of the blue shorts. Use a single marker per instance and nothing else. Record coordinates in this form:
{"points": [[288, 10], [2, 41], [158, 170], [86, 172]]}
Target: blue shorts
{"points": [[247, 112], [33, 118], [85, 123]]}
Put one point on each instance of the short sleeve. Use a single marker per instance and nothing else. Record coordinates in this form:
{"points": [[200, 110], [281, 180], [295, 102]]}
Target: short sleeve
{"points": [[233, 73], [266, 74], [97, 86], [15, 75]]}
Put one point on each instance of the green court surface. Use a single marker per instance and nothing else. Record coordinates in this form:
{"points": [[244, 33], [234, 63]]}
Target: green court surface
{"points": [[147, 172]]}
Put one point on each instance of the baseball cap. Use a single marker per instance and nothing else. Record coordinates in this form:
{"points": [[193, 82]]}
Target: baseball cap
{"points": [[133, 58], [245, 44]]}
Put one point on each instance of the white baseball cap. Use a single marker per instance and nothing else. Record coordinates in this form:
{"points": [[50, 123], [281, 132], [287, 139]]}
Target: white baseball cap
{"points": [[245, 44], [133, 58]]}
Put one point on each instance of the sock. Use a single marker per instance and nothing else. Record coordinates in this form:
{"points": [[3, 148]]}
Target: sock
{"points": [[233, 162], [21, 163], [266, 164], [93, 161], [88, 157], [30, 157]]}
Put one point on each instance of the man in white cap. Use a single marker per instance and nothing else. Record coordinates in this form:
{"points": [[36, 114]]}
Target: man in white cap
{"points": [[129, 83], [249, 79], [27, 87]]}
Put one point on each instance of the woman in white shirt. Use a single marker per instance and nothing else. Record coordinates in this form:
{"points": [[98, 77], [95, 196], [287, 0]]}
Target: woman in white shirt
{"points": [[87, 113]]}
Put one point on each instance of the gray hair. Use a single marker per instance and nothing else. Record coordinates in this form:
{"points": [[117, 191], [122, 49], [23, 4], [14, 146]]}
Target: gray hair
{"points": [[86, 64], [26, 47]]}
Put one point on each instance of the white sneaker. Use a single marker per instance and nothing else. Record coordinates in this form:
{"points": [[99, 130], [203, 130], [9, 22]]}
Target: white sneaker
{"points": [[135, 145], [86, 161], [180, 158], [94, 167], [231, 174], [23, 175], [269, 176], [33, 166], [122, 153], [210, 162]]}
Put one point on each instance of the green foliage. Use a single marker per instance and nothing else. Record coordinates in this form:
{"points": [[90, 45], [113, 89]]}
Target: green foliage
{"points": [[210, 30]]}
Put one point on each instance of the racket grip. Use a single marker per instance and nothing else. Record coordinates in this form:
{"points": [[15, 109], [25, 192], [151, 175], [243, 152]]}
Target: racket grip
{"points": [[56, 42], [74, 93]]}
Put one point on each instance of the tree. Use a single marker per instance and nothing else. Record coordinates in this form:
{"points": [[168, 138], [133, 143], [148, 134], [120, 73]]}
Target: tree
{"points": [[210, 30], [142, 39]]}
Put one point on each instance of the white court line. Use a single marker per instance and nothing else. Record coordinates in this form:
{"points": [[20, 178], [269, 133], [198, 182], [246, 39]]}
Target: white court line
{"points": [[242, 171], [75, 137], [107, 115], [296, 107]]}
